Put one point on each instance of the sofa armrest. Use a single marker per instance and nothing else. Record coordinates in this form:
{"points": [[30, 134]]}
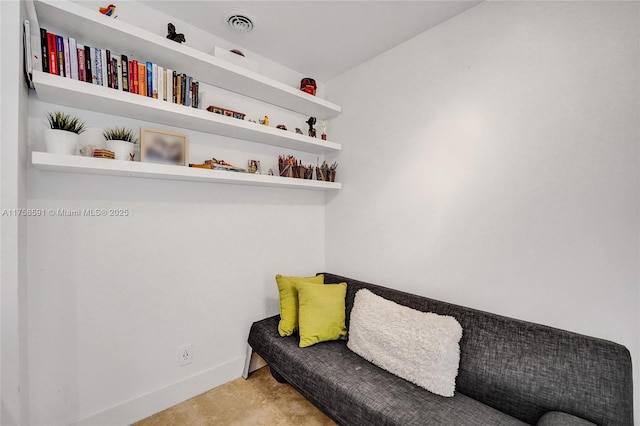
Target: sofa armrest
{"points": [[558, 418]]}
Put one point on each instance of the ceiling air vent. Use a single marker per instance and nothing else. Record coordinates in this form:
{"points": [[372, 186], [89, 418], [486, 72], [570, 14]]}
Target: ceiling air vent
{"points": [[240, 21]]}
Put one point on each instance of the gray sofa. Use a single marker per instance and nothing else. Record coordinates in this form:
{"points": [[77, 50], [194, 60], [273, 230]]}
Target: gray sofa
{"points": [[511, 372]]}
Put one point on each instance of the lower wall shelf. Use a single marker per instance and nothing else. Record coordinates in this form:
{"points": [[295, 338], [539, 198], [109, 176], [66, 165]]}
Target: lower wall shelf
{"points": [[100, 166]]}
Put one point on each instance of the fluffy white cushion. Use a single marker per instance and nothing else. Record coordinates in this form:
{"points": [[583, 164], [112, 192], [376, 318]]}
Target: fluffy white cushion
{"points": [[420, 347]]}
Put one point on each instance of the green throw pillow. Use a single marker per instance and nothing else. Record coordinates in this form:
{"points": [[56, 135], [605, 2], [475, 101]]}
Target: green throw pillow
{"points": [[321, 312], [289, 301]]}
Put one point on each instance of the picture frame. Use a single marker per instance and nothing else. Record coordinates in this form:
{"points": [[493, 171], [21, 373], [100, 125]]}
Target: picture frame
{"points": [[160, 146]]}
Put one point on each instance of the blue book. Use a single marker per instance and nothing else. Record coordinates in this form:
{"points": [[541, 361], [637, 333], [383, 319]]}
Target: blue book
{"points": [[149, 79], [60, 52]]}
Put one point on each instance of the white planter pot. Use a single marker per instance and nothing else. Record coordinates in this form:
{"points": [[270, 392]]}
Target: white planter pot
{"points": [[93, 136], [61, 141], [121, 149]]}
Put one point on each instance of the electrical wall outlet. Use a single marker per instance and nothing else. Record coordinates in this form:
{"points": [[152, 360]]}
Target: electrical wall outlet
{"points": [[185, 355]]}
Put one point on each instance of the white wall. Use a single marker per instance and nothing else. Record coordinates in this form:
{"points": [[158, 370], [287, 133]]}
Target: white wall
{"points": [[13, 137], [111, 299], [493, 162]]}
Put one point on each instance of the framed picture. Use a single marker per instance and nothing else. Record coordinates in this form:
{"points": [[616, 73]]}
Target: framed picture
{"points": [[159, 146]]}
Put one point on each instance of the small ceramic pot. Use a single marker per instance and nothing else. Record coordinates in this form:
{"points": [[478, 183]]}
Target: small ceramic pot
{"points": [[121, 149], [61, 141]]}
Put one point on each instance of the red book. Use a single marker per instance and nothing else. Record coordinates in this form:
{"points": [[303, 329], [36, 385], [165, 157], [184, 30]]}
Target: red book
{"points": [[53, 53], [130, 76], [136, 81], [82, 72]]}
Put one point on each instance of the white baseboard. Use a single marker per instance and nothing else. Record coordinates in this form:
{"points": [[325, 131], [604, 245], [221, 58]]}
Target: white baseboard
{"points": [[151, 403]]}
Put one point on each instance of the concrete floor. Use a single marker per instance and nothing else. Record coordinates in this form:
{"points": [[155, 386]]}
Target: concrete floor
{"points": [[260, 400]]}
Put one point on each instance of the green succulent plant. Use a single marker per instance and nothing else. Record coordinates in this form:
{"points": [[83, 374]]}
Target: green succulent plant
{"points": [[63, 121], [120, 134]]}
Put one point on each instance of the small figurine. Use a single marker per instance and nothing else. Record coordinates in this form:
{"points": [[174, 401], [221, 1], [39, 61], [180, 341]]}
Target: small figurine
{"points": [[270, 172], [173, 35], [87, 150], [254, 166], [108, 10], [308, 85], [281, 127], [132, 156], [265, 121], [298, 131], [311, 122], [322, 125]]}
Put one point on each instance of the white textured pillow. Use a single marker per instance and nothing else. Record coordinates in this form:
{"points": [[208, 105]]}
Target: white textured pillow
{"points": [[420, 347]]}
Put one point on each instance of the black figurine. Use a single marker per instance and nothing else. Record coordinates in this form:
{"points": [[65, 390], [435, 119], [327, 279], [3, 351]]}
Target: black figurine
{"points": [[173, 35], [311, 122]]}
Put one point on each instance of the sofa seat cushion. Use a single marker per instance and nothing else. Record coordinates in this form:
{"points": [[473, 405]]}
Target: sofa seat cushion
{"points": [[557, 418], [354, 391]]}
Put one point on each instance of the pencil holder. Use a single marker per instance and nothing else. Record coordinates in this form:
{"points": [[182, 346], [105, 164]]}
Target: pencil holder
{"points": [[308, 172], [286, 170]]}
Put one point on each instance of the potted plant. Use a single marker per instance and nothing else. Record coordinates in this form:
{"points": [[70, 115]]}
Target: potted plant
{"points": [[62, 136], [122, 142]]}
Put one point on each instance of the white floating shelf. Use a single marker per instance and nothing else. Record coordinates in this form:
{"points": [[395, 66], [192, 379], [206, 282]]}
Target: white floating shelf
{"points": [[96, 30], [101, 166], [78, 94]]}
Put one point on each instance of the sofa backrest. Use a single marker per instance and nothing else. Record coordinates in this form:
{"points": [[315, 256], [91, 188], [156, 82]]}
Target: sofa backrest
{"points": [[526, 369]]}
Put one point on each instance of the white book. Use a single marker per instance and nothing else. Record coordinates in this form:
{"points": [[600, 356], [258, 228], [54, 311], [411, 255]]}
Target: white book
{"points": [[67, 58], [73, 56], [160, 82], [154, 81], [169, 85], [94, 66], [105, 65]]}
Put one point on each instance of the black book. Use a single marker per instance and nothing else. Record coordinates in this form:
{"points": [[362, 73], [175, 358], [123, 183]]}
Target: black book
{"points": [[125, 72], [175, 87], [44, 42], [114, 68], [183, 94], [109, 70], [87, 64]]}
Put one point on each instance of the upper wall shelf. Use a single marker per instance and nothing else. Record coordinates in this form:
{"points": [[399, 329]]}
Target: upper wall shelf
{"points": [[78, 94], [95, 29]]}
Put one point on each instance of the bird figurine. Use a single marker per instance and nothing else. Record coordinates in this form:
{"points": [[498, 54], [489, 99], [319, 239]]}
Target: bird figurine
{"points": [[108, 10], [265, 121]]}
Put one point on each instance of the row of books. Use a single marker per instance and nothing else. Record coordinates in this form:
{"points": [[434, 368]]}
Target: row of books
{"points": [[68, 58]]}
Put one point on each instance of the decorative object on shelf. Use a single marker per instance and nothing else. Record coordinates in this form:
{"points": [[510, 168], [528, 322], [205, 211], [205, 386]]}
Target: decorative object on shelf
{"points": [[121, 141], [290, 166], [62, 136], [270, 172], [254, 166], [311, 122], [109, 10], [104, 153], [132, 156], [308, 85], [298, 131], [265, 121], [173, 35], [87, 150], [281, 127], [322, 125], [159, 146], [308, 172], [227, 112], [214, 164], [326, 173], [237, 52]]}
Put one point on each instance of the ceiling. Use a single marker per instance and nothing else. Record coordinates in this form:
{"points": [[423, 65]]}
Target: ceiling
{"points": [[321, 39]]}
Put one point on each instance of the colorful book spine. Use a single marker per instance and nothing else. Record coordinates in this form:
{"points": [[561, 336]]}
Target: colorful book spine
{"points": [[125, 72], [73, 58], [115, 73], [183, 90], [44, 46], [149, 82], [179, 90], [105, 67], [175, 87], [88, 64], [142, 79], [196, 94], [53, 55], [67, 58], [187, 86], [135, 83], [60, 55], [82, 70]]}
